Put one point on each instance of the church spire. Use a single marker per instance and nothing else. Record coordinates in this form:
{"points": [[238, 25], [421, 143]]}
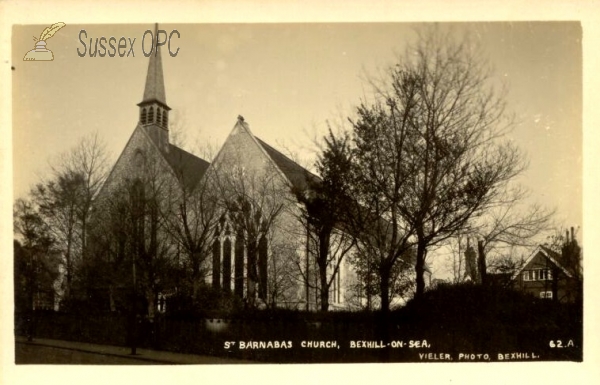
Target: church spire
{"points": [[155, 84], [154, 111]]}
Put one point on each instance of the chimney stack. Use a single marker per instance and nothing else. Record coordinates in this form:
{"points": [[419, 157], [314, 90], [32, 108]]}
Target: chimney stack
{"points": [[572, 234]]}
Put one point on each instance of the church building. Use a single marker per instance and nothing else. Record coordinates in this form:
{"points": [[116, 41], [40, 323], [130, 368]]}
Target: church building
{"points": [[258, 248]]}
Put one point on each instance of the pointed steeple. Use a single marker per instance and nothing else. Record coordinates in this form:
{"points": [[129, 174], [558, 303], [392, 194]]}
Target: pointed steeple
{"points": [[154, 111], [155, 83]]}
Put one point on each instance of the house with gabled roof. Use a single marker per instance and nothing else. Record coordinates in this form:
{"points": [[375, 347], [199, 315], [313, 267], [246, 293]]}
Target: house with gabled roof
{"points": [[545, 274]]}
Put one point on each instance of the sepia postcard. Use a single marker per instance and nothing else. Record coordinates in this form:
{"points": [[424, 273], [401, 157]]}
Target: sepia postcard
{"points": [[215, 191]]}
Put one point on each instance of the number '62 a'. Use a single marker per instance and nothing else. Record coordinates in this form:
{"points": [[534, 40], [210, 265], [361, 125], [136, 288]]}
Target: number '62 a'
{"points": [[560, 344]]}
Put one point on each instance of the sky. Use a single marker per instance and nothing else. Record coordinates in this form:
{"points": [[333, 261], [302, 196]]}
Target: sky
{"points": [[288, 81]]}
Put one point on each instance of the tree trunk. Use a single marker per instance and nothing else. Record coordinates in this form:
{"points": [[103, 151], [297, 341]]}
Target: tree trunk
{"points": [[384, 288], [69, 272], [150, 296], [322, 262], [555, 273], [324, 289], [420, 270], [252, 273], [195, 276]]}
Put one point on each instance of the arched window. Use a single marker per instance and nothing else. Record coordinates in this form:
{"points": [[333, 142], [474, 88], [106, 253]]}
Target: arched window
{"points": [[239, 265], [226, 266], [143, 116], [158, 117], [151, 115], [139, 160], [216, 265], [262, 267]]}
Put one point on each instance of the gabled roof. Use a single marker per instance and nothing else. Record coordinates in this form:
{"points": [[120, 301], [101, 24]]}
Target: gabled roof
{"points": [[551, 255], [300, 177], [188, 168]]}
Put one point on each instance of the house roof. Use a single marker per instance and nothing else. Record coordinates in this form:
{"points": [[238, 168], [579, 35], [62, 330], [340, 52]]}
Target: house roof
{"points": [[551, 255], [188, 168], [296, 174]]}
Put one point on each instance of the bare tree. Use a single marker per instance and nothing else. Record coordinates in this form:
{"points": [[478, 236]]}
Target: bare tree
{"points": [[324, 203], [378, 180], [432, 149], [36, 262], [282, 273], [191, 217], [129, 211], [65, 199], [89, 158], [456, 257], [59, 201]]}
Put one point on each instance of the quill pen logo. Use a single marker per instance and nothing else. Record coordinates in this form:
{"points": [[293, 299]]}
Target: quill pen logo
{"points": [[40, 52]]}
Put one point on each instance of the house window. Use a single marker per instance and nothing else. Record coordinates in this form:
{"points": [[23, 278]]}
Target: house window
{"points": [[546, 294], [537, 275], [545, 275]]}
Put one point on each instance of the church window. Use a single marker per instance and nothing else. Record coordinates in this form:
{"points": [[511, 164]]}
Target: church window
{"points": [[139, 160], [239, 265], [216, 265], [227, 264], [143, 116], [339, 286], [229, 267], [151, 115], [158, 116], [262, 267]]}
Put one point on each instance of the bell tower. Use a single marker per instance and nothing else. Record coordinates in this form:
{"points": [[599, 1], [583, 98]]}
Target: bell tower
{"points": [[154, 111]]}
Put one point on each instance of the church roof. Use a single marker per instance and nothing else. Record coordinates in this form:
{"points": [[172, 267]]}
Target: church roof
{"points": [[155, 83], [296, 174], [188, 167]]}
